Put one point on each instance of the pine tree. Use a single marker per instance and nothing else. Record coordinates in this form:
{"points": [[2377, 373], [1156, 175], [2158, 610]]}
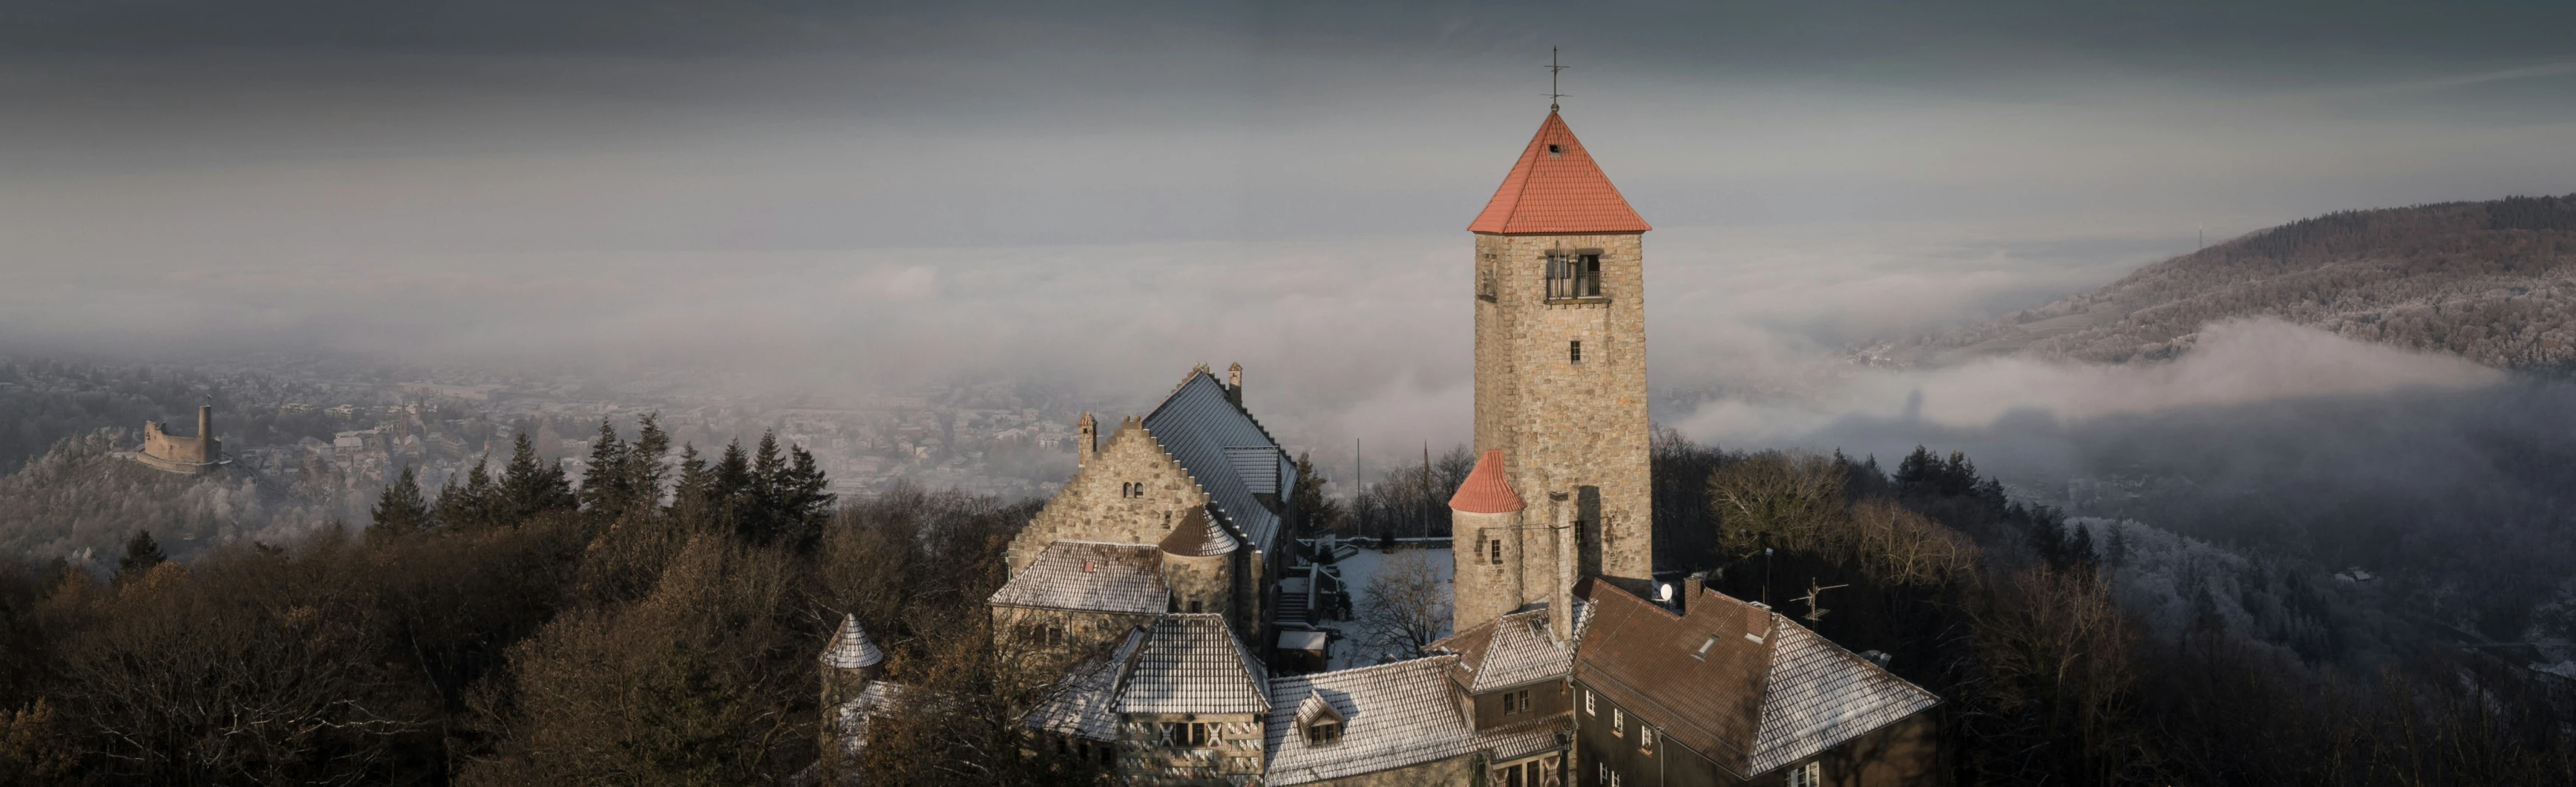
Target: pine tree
{"points": [[1307, 497], [529, 488], [604, 491], [728, 498], [2117, 552], [2079, 548], [644, 470], [808, 500], [141, 554], [474, 505], [399, 509], [692, 503]]}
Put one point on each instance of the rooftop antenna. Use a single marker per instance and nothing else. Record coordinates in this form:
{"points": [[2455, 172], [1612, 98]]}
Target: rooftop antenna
{"points": [[1815, 613], [1552, 68]]}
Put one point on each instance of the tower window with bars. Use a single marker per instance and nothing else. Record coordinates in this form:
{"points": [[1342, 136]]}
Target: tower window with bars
{"points": [[1571, 275]]}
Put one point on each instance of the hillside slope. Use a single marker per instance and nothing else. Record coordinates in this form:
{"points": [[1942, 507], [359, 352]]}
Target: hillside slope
{"points": [[2494, 282]]}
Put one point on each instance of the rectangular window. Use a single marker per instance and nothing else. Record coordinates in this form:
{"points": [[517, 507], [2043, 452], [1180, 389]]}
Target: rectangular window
{"points": [[1574, 351], [1618, 723], [1571, 275], [1587, 703], [1508, 699], [1646, 740], [1516, 702], [1808, 775], [1497, 548]]}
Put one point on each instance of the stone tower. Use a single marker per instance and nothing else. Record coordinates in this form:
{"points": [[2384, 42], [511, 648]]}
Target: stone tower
{"points": [[1491, 550], [1198, 566], [1561, 349], [848, 663]]}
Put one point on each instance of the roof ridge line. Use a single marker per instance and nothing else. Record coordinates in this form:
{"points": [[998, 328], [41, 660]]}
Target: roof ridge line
{"points": [[1356, 670]]}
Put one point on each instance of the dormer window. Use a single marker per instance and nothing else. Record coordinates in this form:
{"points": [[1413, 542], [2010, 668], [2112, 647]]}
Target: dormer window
{"points": [[1704, 645], [1321, 722], [1573, 274], [1323, 733]]}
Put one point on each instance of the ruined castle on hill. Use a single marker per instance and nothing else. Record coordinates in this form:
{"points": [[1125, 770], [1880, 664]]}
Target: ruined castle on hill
{"points": [[191, 455], [1167, 584]]}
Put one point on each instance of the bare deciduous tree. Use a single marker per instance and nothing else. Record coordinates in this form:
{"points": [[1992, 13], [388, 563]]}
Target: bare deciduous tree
{"points": [[1405, 606]]}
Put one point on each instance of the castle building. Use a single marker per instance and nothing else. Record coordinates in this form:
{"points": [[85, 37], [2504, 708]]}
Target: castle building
{"points": [[193, 455], [1151, 579]]}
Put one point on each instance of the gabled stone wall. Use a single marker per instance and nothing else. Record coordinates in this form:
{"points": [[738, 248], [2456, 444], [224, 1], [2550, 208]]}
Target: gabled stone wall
{"points": [[1097, 503]]}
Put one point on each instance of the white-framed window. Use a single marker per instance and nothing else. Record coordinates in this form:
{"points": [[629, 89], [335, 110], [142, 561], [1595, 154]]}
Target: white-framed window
{"points": [[1618, 723], [1587, 704], [1808, 775], [1646, 740]]}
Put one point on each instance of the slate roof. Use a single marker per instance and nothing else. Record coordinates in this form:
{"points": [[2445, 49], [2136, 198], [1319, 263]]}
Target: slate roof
{"points": [[1191, 663], [1086, 705], [1511, 650], [1564, 192], [1198, 536], [1225, 450], [1090, 576], [1763, 693], [850, 647], [1394, 716], [1486, 491]]}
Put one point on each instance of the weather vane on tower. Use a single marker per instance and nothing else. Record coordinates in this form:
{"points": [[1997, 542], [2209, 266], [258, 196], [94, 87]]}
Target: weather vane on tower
{"points": [[1552, 69]]}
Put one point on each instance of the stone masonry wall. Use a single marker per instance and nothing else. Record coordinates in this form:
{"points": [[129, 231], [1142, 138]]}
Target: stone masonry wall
{"points": [[1094, 506], [1565, 424], [1482, 589]]}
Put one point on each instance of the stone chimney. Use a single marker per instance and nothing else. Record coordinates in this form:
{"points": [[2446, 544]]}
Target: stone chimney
{"points": [[1086, 440], [1234, 384], [1560, 604], [1690, 592]]}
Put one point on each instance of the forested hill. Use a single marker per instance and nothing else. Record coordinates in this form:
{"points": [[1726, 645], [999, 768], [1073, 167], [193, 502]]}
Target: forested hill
{"points": [[2494, 282]]}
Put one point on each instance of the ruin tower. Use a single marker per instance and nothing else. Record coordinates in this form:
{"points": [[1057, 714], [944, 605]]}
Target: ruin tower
{"points": [[1561, 349]]}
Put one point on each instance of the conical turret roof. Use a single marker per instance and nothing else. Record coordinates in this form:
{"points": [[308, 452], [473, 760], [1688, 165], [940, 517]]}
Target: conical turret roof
{"points": [[1556, 189], [1486, 491], [851, 648], [1198, 536]]}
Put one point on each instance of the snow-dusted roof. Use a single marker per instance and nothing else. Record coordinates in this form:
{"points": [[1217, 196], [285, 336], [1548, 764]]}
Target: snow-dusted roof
{"points": [[1091, 576], [850, 647], [1511, 650], [1819, 695], [1198, 535], [1394, 716], [852, 718], [1734, 681], [1087, 704], [1191, 663], [1228, 452]]}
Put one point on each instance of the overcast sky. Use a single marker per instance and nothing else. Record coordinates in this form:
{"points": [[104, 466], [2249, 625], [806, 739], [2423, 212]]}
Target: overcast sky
{"points": [[875, 195]]}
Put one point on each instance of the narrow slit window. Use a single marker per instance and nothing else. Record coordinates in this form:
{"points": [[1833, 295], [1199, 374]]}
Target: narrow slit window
{"points": [[1497, 550]]}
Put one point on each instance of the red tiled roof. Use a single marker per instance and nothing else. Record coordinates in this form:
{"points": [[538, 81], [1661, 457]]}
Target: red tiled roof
{"points": [[1485, 491], [1559, 192]]}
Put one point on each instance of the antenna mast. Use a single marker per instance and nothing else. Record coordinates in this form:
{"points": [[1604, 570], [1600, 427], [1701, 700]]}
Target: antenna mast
{"points": [[1552, 69]]}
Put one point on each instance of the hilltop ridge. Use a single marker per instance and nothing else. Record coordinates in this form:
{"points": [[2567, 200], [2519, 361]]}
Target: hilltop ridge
{"points": [[2493, 281]]}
